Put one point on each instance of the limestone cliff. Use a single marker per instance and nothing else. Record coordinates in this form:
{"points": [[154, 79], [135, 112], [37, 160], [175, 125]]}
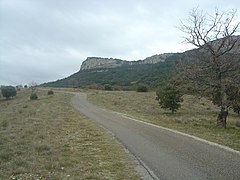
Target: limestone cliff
{"points": [[105, 63]]}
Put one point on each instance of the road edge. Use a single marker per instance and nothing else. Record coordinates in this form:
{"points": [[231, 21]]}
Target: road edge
{"points": [[141, 169], [181, 133]]}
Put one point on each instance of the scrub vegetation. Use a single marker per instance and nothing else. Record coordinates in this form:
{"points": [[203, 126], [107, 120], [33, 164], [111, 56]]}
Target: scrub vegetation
{"points": [[48, 139]]}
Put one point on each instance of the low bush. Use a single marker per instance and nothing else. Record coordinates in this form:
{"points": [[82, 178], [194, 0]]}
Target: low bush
{"points": [[170, 98], [8, 91], [142, 88], [33, 96], [108, 87], [50, 92]]}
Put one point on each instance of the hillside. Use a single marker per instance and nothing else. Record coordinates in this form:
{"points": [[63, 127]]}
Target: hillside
{"points": [[153, 71], [96, 71], [99, 63]]}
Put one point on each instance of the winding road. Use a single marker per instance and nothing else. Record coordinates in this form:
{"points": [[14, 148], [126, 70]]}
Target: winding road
{"points": [[166, 154]]}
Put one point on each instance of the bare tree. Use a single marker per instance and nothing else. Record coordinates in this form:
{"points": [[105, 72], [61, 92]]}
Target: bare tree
{"points": [[214, 36], [33, 86]]}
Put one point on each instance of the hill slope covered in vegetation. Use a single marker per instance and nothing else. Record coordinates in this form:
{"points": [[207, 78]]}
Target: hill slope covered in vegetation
{"points": [[153, 71]]}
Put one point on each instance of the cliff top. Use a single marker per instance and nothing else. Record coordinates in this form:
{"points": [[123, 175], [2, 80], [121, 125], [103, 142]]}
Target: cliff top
{"points": [[99, 62]]}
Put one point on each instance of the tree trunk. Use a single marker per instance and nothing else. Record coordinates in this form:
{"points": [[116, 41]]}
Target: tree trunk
{"points": [[222, 118], [222, 115]]}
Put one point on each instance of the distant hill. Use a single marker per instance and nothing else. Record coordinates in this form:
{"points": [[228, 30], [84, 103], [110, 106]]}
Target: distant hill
{"points": [[154, 71], [96, 71]]}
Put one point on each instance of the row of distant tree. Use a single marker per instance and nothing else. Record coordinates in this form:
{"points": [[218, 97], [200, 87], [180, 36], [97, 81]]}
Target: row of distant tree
{"points": [[11, 91]]}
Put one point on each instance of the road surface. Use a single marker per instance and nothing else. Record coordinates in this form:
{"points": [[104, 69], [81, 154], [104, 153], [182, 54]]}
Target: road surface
{"points": [[167, 154]]}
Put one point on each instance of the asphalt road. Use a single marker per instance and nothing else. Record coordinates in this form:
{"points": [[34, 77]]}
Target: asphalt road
{"points": [[168, 154]]}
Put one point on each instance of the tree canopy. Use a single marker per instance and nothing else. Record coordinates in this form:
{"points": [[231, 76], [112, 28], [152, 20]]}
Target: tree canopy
{"points": [[8, 91], [214, 69], [169, 98]]}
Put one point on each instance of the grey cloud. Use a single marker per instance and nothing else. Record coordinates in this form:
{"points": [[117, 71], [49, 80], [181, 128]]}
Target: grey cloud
{"points": [[48, 39]]}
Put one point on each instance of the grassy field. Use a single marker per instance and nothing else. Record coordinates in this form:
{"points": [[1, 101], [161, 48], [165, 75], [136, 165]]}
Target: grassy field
{"points": [[48, 139], [196, 116]]}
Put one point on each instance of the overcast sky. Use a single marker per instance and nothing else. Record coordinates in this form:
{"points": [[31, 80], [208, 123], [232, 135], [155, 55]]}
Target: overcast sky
{"points": [[46, 40]]}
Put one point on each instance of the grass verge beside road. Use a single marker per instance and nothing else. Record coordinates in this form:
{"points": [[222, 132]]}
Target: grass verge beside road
{"points": [[196, 116], [48, 139]]}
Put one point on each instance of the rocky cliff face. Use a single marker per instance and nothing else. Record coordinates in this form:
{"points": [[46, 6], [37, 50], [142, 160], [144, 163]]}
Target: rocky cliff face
{"points": [[99, 63], [104, 63]]}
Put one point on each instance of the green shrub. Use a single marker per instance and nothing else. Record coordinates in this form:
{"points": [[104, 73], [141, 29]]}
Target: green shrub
{"points": [[108, 87], [8, 91], [170, 98], [142, 88], [95, 86], [33, 96], [50, 92]]}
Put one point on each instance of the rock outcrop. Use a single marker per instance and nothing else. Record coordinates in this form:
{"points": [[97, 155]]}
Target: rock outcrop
{"points": [[100, 63], [105, 63]]}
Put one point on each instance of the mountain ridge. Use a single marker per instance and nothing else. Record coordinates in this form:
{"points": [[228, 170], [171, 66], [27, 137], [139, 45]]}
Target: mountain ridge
{"points": [[100, 62], [153, 71]]}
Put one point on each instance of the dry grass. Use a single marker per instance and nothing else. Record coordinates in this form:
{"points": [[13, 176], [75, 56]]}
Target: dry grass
{"points": [[196, 116], [47, 139]]}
